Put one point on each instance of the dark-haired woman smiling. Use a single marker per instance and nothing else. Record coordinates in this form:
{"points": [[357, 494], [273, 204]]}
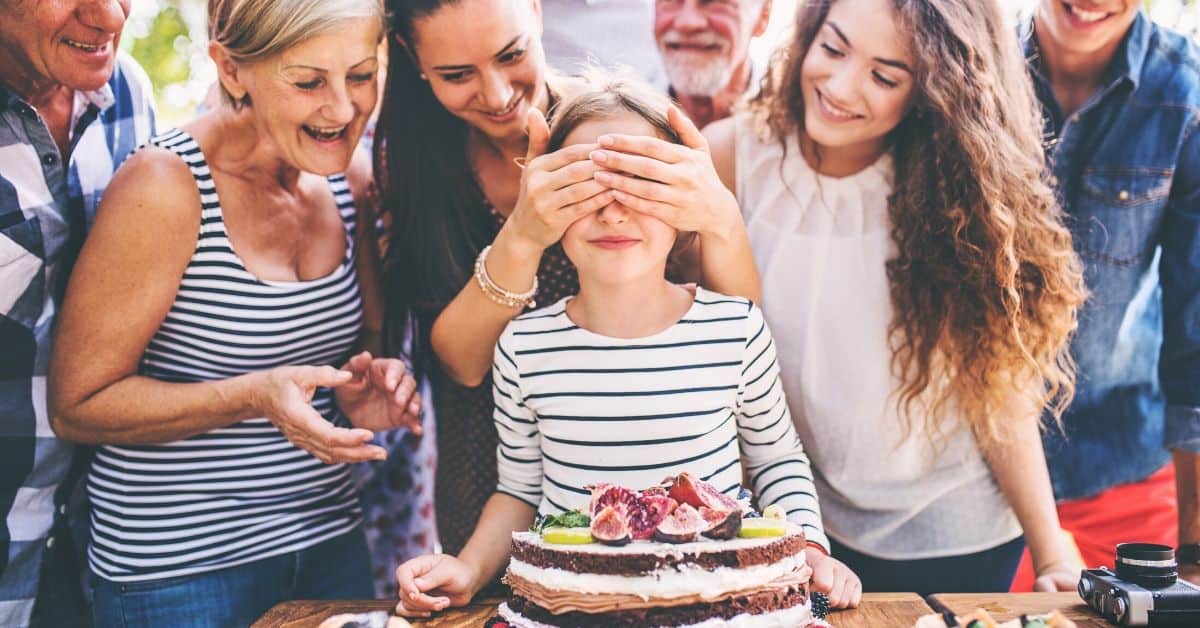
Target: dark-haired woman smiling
{"points": [[468, 187]]}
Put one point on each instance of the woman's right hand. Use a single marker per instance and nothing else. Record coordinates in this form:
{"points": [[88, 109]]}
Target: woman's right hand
{"points": [[556, 189], [284, 396], [450, 579]]}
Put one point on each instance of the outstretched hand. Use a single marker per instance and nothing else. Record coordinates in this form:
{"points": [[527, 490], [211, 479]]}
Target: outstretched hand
{"points": [[284, 396], [380, 395]]}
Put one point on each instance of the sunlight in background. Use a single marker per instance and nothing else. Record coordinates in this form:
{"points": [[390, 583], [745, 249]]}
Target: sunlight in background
{"points": [[168, 38]]}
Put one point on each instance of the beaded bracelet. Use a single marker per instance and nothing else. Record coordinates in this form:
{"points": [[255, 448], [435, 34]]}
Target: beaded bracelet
{"points": [[497, 294]]}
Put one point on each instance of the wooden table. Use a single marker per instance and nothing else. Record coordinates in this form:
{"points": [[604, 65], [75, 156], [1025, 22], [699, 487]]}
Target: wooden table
{"points": [[877, 610], [1005, 606]]}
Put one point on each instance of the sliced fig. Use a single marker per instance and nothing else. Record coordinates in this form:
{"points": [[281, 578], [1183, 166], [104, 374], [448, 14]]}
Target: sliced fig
{"points": [[683, 525], [610, 495], [610, 526], [650, 510], [688, 489], [721, 525]]}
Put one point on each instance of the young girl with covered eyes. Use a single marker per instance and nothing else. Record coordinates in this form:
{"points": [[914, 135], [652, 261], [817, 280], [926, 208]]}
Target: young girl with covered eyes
{"points": [[692, 374]]}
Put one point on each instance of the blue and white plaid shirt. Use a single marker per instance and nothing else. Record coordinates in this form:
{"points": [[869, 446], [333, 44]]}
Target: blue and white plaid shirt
{"points": [[46, 207]]}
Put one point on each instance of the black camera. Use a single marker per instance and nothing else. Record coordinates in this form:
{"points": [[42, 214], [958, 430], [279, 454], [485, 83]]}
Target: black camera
{"points": [[1145, 590]]}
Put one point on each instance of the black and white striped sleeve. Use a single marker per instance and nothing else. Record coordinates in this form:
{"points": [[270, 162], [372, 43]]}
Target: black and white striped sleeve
{"points": [[776, 463], [519, 451]]}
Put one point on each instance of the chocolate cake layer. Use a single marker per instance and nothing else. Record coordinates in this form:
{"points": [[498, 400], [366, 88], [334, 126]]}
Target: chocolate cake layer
{"points": [[754, 604], [657, 556]]}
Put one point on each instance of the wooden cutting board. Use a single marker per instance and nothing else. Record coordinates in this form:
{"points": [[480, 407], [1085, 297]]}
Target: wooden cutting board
{"points": [[1005, 606], [900, 610], [310, 613], [878, 609]]}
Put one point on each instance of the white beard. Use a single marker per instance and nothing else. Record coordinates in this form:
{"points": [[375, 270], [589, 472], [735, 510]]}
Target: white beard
{"points": [[697, 73]]}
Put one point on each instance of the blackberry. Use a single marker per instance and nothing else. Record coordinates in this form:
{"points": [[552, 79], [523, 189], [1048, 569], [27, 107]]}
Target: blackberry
{"points": [[820, 605]]}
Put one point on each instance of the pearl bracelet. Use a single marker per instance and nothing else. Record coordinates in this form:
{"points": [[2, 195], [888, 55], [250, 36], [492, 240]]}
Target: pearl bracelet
{"points": [[497, 294]]}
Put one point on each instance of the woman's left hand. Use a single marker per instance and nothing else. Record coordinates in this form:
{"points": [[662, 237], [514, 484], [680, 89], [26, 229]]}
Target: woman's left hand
{"points": [[382, 395], [674, 183]]}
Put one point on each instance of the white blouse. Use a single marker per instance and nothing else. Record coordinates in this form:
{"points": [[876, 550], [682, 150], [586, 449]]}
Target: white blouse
{"points": [[821, 244]]}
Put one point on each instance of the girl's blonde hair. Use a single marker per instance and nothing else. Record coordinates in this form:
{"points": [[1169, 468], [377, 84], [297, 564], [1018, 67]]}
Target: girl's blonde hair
{"points": [[606, 95], [986, 285], [252, 30]]}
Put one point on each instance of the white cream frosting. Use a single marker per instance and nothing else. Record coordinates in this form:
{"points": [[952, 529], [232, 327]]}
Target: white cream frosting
{"points": [[664, 583], [786, 618]]}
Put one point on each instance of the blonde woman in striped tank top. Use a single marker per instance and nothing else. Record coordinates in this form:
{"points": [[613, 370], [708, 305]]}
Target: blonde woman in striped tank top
{"points": [[213, 342]]}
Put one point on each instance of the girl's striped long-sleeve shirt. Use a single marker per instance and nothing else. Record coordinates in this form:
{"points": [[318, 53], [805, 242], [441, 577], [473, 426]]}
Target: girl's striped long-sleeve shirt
{"points": [[575, 408]]}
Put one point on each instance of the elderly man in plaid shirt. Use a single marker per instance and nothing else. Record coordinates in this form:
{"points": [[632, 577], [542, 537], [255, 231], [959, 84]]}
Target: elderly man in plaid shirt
{"points": [[71, 110]]}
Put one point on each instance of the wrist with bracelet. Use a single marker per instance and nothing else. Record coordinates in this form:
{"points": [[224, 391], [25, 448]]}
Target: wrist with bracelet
{"points": [[497, 294]]}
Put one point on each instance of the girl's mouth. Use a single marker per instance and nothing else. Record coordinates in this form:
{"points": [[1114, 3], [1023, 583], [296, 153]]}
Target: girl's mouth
{"points": [[614, 242]]}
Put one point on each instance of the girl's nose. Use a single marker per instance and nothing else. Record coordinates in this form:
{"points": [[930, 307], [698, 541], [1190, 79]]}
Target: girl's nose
{"points": [[613, 214]]}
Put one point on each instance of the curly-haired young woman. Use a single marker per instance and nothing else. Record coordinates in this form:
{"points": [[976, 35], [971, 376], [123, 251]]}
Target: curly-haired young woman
{"points": [[920, 283]]}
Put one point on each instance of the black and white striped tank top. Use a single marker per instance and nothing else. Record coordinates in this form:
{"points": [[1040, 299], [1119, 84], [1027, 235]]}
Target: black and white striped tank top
{"points": [[240, 493]]}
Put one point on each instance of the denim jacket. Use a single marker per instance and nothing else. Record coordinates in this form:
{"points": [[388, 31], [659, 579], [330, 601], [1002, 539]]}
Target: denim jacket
{"points": [[1126, 166]]}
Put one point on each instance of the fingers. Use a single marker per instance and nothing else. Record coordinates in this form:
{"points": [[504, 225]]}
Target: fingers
{"points": [[822, 572], [635, 165], [562, 157], [649, 190], [854, 593], [644, 145], [358, 364], [688, 133], [837, 592], [307, 429], [578, 193], [539, 134], [575, 211], [657, 209], [387, 373], [410, 570], [322, 376], [570, 174]]}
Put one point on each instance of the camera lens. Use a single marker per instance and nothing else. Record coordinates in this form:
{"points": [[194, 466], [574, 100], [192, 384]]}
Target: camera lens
{"points": [[1147, 564]]}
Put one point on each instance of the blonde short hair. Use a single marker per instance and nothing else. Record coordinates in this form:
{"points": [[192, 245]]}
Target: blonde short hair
{"points": [[258, 29]]}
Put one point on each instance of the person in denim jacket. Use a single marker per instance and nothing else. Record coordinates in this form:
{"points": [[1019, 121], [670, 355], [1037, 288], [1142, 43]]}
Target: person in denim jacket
{"points": [[1121, 97]]}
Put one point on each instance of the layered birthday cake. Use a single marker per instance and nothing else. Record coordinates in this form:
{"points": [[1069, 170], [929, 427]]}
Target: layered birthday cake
{"points": [[681, 554]]}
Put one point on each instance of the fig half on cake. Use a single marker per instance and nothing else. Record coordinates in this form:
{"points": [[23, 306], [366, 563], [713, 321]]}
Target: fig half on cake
{"points": [[610, 526]]}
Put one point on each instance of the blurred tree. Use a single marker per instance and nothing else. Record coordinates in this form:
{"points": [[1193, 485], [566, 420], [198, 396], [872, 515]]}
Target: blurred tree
{"points": [[163, 51]]}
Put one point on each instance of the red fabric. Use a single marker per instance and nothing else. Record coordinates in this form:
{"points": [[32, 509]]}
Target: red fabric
{"points": [[1143, 511]]}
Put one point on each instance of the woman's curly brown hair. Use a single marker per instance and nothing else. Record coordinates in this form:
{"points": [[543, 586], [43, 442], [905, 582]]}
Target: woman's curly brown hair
{"points": [[986, 284]]}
